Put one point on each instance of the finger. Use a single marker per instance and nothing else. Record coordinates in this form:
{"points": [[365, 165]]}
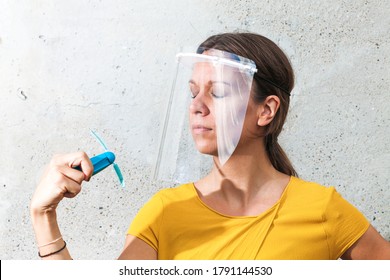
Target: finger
{"points": [[79, 159], [56, 184], [87, 168], [67, 179], [71, 173], [71, 189]]}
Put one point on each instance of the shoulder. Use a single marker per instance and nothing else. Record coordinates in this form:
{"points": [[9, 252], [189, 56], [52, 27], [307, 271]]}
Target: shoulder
{"points": [[320, 199], [163, 197], [307, 197], [178, 202], [163, 200], [177, 193], [301, 189]]}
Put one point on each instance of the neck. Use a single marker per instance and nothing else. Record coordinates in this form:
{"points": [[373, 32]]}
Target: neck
{"points": [[246, 184], [246, 168]]}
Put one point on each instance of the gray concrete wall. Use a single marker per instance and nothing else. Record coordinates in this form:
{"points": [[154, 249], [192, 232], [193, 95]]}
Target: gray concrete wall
{"points": [[68, 66]]}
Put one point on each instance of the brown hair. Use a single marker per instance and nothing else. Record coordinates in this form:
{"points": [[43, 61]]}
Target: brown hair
{"points": [[275, 76]]}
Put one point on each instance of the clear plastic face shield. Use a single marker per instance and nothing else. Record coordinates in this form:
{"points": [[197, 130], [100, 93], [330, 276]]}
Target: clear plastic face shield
{"points": [[205, 114]]}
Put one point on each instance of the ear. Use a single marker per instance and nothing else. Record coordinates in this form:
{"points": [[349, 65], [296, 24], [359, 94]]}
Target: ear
{"points": [[267, 110]]}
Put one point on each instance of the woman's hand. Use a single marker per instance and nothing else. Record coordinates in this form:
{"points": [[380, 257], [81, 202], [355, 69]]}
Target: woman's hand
{"points": [[60, 180]]}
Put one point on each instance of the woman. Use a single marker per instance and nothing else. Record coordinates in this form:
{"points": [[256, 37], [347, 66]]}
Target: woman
{"points": [[250, 207]]}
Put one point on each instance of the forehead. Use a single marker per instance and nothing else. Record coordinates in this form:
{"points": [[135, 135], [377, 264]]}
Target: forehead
{"points": [[206, 72]]}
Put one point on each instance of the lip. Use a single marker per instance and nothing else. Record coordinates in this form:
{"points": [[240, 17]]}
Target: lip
{"points": [[199, 129]]}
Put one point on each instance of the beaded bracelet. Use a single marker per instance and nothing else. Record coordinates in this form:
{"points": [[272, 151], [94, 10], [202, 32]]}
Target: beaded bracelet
{"points": [[52, 253]]}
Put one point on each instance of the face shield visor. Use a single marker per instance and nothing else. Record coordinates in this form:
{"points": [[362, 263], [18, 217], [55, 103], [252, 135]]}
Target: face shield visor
{"points": [[205, 113]]}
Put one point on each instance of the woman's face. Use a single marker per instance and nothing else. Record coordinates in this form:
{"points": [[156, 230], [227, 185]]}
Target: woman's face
{"points": [[201, 112], [218, 108]]}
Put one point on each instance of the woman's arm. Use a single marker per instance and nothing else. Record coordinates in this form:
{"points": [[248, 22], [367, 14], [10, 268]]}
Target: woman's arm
{"points": [[371, 246], [62, 180], [59, 180], [49, 237], [137, 249]]}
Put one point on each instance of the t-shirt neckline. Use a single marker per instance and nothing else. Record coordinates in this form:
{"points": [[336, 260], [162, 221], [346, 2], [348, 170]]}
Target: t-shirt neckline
{"points": [[243, 217]]}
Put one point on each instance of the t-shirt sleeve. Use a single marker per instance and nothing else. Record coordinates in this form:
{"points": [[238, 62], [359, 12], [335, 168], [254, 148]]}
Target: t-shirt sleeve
{"points": [[146, 223], [344, 224]]}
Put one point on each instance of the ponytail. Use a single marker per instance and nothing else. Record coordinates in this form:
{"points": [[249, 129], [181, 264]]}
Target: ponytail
{"points": [[278, 157]]}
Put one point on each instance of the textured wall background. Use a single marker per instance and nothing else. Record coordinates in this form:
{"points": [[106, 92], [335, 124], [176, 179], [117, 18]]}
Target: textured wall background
{"points": [[68, 66]]}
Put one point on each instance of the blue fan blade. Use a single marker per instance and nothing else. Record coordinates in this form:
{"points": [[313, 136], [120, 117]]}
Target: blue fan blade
{"points": [[99, 140], [119, 174]]}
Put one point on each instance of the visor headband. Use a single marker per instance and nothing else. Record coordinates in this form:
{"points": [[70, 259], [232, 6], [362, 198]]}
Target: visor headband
{"points": [[272, 83], [253, 67]]}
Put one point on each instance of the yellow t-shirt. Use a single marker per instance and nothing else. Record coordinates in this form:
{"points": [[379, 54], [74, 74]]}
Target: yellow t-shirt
{"points": [[309, 221]]}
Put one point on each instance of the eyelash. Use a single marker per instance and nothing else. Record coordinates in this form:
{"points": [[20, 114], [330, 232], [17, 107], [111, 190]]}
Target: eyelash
{"points": [[215, 96]]}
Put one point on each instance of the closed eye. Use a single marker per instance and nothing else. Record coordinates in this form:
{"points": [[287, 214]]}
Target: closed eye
{"points": [[221, 89], [194, 90]]}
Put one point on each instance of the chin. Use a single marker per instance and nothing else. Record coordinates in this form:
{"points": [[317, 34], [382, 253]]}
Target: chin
{"points": [[206, 148]]}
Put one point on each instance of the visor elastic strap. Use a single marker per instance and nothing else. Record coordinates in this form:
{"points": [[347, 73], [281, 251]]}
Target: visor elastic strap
{"points": [[275, 85]]}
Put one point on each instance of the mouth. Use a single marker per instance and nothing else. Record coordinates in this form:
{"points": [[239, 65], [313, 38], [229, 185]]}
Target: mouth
{"points": [[200, 129]]}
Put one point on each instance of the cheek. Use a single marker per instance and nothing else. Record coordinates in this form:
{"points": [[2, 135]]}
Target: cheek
{"points": [[250, 127]]}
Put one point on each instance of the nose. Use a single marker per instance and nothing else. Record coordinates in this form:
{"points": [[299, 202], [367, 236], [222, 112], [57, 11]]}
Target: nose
{"points": [[199, 105]]}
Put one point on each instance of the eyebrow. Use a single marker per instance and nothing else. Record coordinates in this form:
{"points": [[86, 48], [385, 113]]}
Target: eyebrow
{"points": [[210, 82]]}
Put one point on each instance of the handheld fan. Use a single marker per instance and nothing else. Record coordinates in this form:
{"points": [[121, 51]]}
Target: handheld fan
{"points": [[102, 161]]}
